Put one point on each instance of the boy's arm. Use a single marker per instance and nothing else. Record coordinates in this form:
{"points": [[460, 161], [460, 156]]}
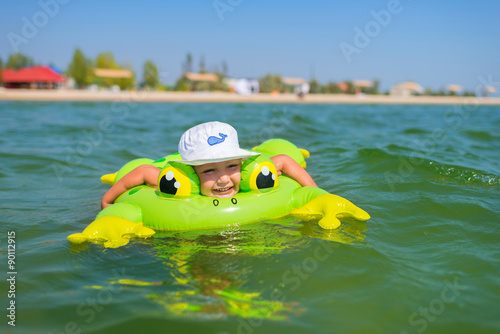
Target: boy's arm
{"points": [[145, 174], [289, 167]]}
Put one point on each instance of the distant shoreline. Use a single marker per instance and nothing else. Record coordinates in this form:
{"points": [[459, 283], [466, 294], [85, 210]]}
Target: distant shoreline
{"points": [[217, 97]]}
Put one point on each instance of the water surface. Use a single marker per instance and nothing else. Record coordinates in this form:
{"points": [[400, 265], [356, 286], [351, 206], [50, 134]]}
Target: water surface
{"points": [[428, 260]]}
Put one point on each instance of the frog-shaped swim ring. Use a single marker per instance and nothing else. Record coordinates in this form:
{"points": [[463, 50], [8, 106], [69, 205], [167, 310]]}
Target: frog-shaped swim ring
{"points": [[178, 205]]}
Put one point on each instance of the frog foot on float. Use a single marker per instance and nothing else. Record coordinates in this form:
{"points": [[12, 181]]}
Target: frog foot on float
{"points": [[328, 208], [115, 231]]}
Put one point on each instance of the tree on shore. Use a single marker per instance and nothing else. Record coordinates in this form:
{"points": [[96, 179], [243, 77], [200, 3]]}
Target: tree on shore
{"points": [[106, 60], [224, 68], [351, 89], [18, 60], [150, 75], [202, 65], [187, 66], [428, 91], [440, 92], [469, 94], [80, 69], [182, 84], [332, 88], [271, 82], [374, 90], [126, 83], [314, 87]]}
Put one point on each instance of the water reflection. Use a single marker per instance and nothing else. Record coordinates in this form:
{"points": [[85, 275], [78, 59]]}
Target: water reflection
{"points": [[208, 270]]}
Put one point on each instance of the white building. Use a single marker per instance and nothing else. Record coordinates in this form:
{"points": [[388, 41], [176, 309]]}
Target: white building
{"points": [[406, 89], [242, 86]]}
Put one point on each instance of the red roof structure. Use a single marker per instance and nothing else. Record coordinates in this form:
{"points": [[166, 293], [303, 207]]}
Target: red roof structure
{"points": [[32, 77]]}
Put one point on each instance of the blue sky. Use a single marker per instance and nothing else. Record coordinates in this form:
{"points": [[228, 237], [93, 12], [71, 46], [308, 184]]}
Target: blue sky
{"points": [[434, 43]]}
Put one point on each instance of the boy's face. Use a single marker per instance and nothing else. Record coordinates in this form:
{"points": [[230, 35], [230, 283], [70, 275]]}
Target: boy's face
{"points": [[220, 179]]}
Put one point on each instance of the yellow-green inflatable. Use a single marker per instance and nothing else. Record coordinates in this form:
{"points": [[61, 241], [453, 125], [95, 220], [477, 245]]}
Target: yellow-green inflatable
{"points": [[178, 205]]}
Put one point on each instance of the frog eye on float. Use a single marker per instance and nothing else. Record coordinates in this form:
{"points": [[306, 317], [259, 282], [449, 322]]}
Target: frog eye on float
{"points": [[264, 176], [174, 181]]}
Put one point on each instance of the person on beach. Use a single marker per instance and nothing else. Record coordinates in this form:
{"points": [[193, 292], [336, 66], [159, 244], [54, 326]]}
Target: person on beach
{"points": [[213, 150]]}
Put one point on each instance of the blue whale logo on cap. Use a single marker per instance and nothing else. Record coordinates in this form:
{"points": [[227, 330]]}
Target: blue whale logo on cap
{"points": [[212, 140]]}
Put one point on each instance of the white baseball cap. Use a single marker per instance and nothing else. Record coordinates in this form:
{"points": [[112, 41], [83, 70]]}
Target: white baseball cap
{"points": [[211, 142]]}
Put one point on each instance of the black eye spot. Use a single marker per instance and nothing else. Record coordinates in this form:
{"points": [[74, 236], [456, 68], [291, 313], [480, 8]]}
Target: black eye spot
{"points": [[216, 202], [234, 200], [168, 184], [265, 179]]}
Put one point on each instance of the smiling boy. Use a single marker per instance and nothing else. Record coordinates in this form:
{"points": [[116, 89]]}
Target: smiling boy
{"points": [[213, 150]]}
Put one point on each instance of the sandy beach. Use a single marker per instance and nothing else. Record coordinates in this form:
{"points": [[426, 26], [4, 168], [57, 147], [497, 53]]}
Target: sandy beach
{"points": [[146, 96]]}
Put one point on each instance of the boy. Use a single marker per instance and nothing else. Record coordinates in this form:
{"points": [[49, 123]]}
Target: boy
{"points": [[214, 152]]}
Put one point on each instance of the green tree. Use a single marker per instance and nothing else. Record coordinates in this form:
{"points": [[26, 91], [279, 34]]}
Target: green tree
{"points": [[331, 88], [440, 92], [315, 87], [350, 87], [375, 88], [80, 69], [271, 82], [224, 68], [202, 65], [428, 91], [150, 75], [18, 60], [189, 63], [106, 60], [126, 83], [182, 84]]}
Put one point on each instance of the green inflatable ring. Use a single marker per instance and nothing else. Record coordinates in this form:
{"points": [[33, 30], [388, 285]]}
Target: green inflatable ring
{"points": [[263, 195]]}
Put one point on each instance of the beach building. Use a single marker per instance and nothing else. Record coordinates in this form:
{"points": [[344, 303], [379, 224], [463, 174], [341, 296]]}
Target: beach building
{"points": [[200, 77], [112, 73], [489, 89], [343, 86], [406, 89], [362, 86], [293, 81], [115, 79], [203, 82], [242, 86], [300, 86], [454, 89], [34, 77]]}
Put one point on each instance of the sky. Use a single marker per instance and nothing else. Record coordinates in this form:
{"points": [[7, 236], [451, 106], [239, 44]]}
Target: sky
{"points": [[434, 43]]}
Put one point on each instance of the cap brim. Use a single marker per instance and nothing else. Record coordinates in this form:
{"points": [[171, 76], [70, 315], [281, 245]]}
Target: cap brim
{"points": [[244, 155]]}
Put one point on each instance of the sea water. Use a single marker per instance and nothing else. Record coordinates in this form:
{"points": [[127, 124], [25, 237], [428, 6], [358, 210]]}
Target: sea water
{"points": [[427, 261]]}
